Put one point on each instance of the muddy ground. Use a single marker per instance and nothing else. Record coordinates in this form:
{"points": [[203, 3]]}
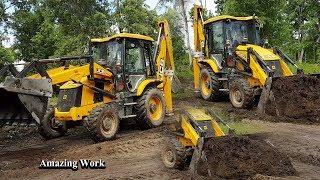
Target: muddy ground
{"points": [[135, 154]]}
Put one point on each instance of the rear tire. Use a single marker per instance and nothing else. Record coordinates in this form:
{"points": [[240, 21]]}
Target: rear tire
{"points": [[50, 128], [241, 94], [209, 85], [151, 109], [174, 155], [103, 122]]}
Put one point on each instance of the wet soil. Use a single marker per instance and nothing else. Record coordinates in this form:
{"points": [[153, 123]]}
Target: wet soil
{"points": [[243, 157], [296, 97], [135, 154]]}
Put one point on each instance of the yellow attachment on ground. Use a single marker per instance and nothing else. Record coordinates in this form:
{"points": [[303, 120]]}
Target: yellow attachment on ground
{"points": [[225, 17], [203, 120], [122, 35], [189, 132]]}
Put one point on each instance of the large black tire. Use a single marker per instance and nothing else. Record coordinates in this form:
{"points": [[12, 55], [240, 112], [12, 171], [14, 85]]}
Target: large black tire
{"points": [[209, 85], [103, 122], [241, 94], [174, 154], [151, 109], [50, 128]]}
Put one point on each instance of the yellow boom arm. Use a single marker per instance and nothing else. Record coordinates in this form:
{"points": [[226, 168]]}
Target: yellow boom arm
{"points": [[164, 62]]}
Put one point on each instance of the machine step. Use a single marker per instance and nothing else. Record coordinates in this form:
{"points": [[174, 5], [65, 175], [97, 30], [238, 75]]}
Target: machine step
{"points": [[129, 116], [224, 90], [130, 103], [223, 79]]}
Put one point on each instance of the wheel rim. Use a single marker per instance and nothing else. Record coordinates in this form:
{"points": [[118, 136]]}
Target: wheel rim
{"points": [[169, 158], [237, 97], [109, 123], [155, 108], [205, 85]]}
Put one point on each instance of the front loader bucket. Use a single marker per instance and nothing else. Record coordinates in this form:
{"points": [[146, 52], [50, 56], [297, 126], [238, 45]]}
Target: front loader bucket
{"points": [[295, 96], [24, 101]]}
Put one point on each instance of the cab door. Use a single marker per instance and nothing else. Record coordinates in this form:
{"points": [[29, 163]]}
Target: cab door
{"points": [[135, 70]]}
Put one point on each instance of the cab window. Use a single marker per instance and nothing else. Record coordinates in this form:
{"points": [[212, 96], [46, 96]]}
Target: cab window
{"points": [[134, 62]]}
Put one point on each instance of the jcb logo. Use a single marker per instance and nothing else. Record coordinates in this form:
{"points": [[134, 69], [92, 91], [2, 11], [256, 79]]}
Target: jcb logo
{"points": [[64, 97]]}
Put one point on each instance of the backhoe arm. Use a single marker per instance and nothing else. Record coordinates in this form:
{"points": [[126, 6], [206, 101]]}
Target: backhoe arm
{"points": [[198, 43], [165, 62]]}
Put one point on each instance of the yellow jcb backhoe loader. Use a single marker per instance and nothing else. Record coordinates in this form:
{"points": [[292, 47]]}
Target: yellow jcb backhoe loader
{"points": [[125, 82], [229, 59], [122, 79]]}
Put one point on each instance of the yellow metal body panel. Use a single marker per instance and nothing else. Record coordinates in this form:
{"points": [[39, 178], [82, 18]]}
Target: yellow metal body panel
{"points": [[217, 130], [122, 35], [259, 76], [142, 86], [265, 54], [165, 63], [61, 75], [191, 136], [75, 113], [189, 132], [224, 17], [198, 42], [285, 68], [212, 64], [198, 114]]}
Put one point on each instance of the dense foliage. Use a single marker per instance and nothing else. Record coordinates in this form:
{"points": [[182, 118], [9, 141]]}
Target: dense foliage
{"points": [[49, 28]]}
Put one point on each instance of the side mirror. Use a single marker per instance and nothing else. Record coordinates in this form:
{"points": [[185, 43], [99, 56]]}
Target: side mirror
{"points": [[265, 43]]}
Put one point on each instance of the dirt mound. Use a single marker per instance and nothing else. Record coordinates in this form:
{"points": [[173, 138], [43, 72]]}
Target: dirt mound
{"points": [[242, 157], [296, 97]]}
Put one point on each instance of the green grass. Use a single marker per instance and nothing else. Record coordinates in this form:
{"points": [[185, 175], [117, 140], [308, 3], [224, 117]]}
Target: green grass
{"points": [[243, 128], [309, 68]]}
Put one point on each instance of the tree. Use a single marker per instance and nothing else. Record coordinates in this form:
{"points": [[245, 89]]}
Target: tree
{"points": [[177, 36], [182, 5], [134, 16]]}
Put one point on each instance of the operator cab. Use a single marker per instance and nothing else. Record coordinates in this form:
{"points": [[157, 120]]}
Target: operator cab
{"points": [[128, 56], [225, 33]]}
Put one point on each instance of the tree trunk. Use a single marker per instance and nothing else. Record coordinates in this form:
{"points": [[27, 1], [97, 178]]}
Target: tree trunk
{"points": [[185, 19], [301, 55]]}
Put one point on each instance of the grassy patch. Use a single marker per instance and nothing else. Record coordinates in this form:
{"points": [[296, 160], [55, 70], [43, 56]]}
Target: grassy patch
{"points": [[243, 128], [309, 68]]}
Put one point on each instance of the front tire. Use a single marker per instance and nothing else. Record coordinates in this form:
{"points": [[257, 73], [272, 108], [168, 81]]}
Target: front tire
{"points": [[151, 109], [103, 122], [241, 94], [209, 85], [174, 155], [50, 127]]}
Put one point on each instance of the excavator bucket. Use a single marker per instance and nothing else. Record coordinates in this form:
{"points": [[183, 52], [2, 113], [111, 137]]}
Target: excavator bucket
{"points": [[296, 96], [24, 101]]}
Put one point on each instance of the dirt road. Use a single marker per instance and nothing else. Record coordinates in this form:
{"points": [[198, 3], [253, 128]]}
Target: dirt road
{"points": [[135, 154]]}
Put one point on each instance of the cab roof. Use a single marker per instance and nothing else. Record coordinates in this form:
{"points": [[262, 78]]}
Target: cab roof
{"points": [[225, 17], [122, 35]]}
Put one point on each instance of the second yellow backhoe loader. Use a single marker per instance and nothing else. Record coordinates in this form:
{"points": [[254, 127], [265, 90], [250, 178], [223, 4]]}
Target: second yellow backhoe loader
{"points": [[121, 80], [229, 59]]}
